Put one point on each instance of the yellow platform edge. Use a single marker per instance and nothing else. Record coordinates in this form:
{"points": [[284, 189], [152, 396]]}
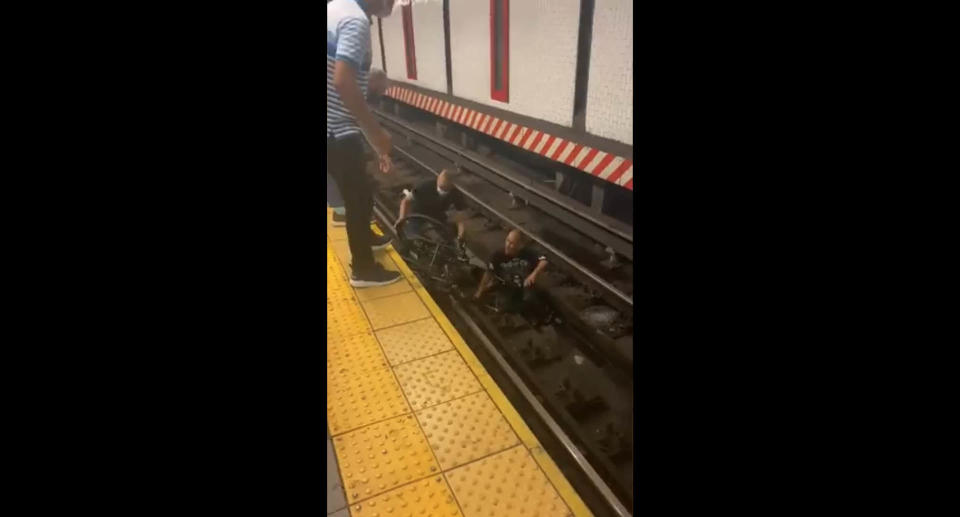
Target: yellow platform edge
{"points": [[549, 467]]}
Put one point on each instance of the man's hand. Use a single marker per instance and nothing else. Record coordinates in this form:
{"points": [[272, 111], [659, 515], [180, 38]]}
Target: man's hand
{"points": [[381, 142], [530, 280], [386, 164]]}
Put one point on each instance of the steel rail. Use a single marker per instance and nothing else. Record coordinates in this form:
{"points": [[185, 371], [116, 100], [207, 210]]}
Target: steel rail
{"points": [[512, 179], [544, 415]]}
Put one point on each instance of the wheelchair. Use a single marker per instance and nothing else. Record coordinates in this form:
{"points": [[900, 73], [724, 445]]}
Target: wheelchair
{"points": [[431, 249]]}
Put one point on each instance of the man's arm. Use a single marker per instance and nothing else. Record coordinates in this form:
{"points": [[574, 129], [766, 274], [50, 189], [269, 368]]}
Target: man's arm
{"points": [[532, 279], [458, 218], [345, 81], [485, 284], [404, 207], [460, 215]]}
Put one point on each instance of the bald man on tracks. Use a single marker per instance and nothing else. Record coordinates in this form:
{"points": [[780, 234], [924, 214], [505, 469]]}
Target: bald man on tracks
{"points": [[514, 270], [433, 199]]}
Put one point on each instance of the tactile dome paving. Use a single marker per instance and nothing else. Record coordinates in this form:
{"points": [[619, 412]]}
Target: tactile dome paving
{"points": [[344, 315], [353, 355], [342, 250], [394, 310], [361, 388], [411, 341], [336, 278], [383, 456], [397, 462], [436, 379], [372, 293], [507, 483], [466, 429], [428, 498]]}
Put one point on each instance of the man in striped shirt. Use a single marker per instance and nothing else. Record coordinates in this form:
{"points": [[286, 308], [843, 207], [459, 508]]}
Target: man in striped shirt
{"points": [[348, 120], [376, 86]]}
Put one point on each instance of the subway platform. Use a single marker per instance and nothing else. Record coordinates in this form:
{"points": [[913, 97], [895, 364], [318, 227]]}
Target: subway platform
{"points": [[415, 425]]}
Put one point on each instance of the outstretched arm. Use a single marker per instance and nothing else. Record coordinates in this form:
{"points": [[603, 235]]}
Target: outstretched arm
{"points": [[485, 283], [532, 279], [458, 218]]}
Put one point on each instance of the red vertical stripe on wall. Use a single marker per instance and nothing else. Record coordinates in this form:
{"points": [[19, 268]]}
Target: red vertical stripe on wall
{"points": [[408, 46], [502, 61]]}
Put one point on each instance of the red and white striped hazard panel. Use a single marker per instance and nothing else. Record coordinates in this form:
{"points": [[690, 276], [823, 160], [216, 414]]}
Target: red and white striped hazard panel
{"points": [[615, 169]]}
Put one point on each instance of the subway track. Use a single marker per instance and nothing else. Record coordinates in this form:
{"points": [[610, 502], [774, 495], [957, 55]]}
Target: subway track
{"points": [[575, 377], [525, 197], [582, 277]]}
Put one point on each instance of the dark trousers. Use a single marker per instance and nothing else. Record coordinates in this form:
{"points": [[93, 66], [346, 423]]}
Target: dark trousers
{"points": [[334, 199], [519, 299], [346, 164]]}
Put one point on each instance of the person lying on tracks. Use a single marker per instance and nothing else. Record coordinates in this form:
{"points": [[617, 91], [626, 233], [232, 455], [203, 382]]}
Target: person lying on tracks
{"points": [[433, 199], [516, 267]]}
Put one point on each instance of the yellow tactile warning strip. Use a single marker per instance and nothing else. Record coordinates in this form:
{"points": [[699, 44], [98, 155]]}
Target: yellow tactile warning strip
{"points": [[431, 496], [508, 483], [342, 250], [361, 389], [411, 341], [410, 408], [466, 429], [383, 456], [372, 293], [394, 310], [436, 379]]}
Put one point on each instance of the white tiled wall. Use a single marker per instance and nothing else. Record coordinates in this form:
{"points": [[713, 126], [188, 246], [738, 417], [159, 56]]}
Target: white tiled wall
{"points": [[428, 42], [393, 46], [610, 86], [543, 55]]}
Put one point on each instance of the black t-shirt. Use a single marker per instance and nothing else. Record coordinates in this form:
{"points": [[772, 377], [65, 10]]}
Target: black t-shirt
{"points": [[514, 270], [428, 202]]}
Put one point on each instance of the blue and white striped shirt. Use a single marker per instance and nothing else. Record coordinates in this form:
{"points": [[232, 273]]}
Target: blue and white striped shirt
{"points": [[348, 40]]}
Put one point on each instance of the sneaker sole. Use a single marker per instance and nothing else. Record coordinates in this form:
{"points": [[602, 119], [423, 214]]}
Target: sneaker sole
{"points": [[381, 247], [372, 283]]}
